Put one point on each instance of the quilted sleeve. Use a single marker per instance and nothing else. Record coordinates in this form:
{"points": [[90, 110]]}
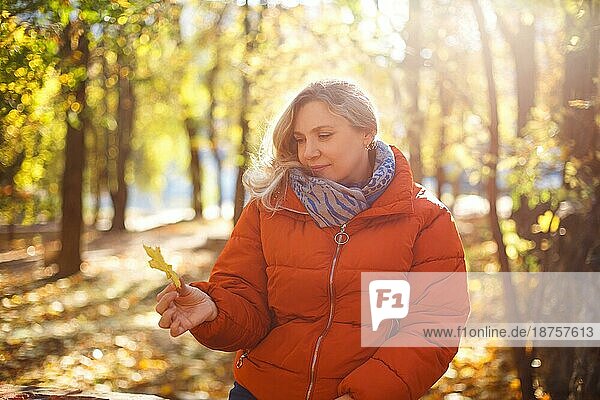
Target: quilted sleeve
{"points": [[407, 372], [238, 286]]}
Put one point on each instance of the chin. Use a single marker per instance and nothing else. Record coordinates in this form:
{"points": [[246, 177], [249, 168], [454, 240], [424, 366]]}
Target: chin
{"points": [[328, 176]]}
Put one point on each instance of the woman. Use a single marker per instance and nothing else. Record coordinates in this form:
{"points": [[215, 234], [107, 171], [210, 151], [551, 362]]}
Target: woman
{"points": [[328, 201]]}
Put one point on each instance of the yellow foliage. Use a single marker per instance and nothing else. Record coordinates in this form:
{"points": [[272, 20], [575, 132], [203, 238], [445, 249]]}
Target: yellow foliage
{"points": [[158, 262], [148, 363], [548, 222]]}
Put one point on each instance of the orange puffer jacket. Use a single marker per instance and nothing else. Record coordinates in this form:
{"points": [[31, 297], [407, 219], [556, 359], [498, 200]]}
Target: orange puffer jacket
{"points": [[289, 296]]}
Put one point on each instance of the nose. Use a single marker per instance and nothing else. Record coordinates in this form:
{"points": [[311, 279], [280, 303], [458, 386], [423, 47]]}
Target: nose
{"points": [[311, 149]]}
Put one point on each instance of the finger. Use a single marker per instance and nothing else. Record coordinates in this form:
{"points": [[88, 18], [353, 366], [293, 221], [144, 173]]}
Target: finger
{"points": [[165, 302], [169, 288], [185, 289], [163, 292], [167, 317], [176, 328]]}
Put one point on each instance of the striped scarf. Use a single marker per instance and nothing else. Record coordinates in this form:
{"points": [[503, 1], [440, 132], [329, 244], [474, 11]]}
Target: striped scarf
{"points": [[330, 203]]}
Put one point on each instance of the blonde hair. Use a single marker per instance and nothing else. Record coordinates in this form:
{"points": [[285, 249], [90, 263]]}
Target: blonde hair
{"points": [[278, 151]]}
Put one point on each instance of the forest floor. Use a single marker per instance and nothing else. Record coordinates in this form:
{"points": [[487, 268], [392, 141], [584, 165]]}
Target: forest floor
{"points": [[98, 329]]}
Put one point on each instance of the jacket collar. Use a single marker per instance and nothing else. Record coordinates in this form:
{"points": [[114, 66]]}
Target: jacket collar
{"points": [[396, 199]]}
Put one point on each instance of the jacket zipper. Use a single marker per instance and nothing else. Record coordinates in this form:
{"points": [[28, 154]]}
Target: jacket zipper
{"points": [[340, 238]]}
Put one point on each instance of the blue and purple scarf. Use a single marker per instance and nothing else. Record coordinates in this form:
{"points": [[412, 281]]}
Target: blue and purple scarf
{"points": [[330, 203]]}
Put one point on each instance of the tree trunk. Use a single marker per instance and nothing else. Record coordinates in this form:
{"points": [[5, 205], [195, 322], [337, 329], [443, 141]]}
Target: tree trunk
{"points": [[575, 372], [93, 146], [191, 125], [240, 192], [522, 45], [520, 357], [445, 112], [413, 67], [580, 133], [250, 36], [124, 132], [102, 174], [101, 143], [7, 177], [195, 167], [212, 131], [211, 78], [96, 187], [69, 259], [579, 89], [524, 51]]}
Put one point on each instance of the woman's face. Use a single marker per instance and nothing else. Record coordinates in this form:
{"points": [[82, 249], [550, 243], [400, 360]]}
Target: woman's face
{"points": [[330, 146]]}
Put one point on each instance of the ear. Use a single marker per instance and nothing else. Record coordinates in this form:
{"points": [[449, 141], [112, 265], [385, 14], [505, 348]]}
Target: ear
{"points": [[368, 137]]}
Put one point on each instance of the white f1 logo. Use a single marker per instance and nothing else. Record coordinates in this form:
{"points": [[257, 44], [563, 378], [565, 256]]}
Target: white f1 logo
{"points": [[389, 299]]}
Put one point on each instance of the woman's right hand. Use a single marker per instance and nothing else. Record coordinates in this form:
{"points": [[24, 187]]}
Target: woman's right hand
{"points": [[184, 309]]}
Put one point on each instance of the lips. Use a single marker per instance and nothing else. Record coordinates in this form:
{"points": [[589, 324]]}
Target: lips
{"points": [[317, 168]]}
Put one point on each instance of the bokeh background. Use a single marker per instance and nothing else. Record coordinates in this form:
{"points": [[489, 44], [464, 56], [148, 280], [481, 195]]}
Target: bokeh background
{"points": [[125, 122]]}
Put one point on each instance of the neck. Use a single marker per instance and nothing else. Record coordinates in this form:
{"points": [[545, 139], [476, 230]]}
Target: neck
{"points": [[366, 171]]}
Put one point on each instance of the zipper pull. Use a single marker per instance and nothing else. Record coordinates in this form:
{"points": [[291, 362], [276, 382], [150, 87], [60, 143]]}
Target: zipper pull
{"points": [[240, 361], [341, 237]]}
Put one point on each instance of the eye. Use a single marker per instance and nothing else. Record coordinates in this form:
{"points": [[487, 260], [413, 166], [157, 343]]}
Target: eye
{"points": [[299, 139], [325, 135]]}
